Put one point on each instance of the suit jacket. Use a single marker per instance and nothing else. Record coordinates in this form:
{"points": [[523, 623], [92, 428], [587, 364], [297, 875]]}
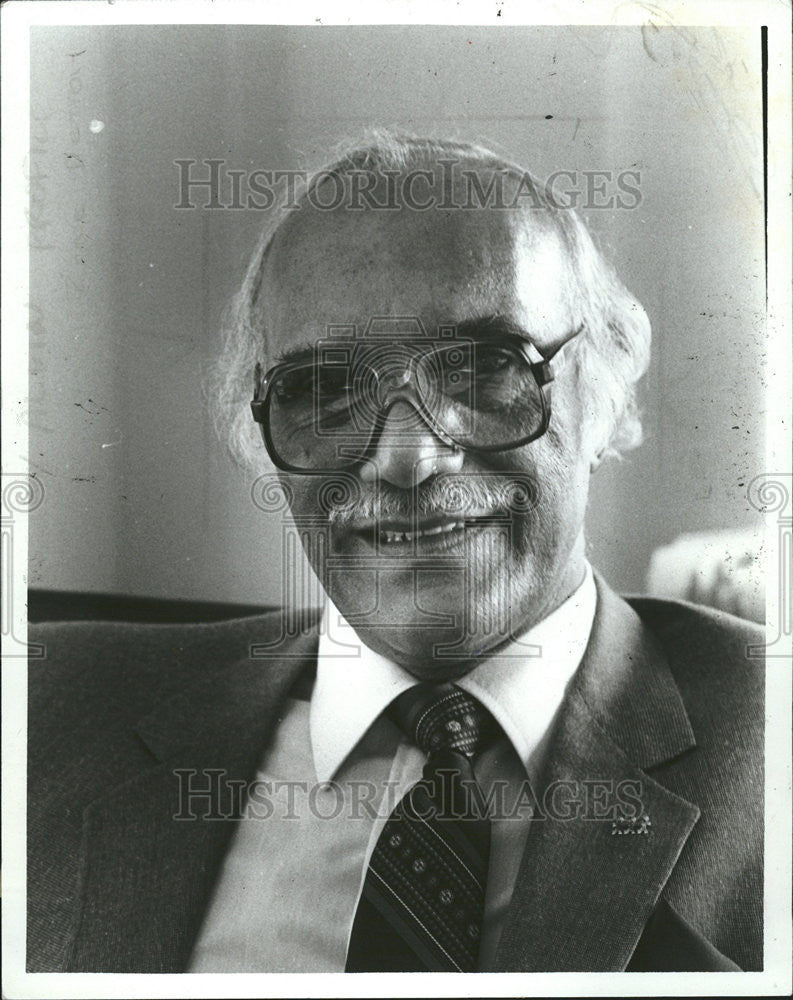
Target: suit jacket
{"points": [[666, 698]]}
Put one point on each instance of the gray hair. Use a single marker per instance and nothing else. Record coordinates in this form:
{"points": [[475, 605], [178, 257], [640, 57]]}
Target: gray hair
{"points": [[611, 355]]}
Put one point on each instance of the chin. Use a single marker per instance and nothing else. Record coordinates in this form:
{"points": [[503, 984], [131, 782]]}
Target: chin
{"points": [[437, 623]]}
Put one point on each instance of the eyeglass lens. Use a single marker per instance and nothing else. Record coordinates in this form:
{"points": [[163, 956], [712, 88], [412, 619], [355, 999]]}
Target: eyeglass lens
{"points": [[479, 393]]}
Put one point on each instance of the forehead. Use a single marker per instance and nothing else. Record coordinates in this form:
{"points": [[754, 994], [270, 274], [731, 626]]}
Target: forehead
{"points": [[440, 266]]}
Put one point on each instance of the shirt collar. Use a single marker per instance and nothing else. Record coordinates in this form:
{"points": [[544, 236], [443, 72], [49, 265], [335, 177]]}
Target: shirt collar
{"points": [[522, 685]]}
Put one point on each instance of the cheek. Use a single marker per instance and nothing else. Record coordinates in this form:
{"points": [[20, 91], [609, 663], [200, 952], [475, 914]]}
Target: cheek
{"points": [[304, 495], [562, 461], [558, 482], [297, 491], [311, 498], [563, 479]]}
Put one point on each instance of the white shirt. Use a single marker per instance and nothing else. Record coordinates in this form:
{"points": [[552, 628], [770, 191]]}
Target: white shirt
{"points": [[289, 886]]}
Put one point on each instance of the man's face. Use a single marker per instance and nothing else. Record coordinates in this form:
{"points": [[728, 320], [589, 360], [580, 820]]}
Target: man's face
{"points": [[439, 601]]}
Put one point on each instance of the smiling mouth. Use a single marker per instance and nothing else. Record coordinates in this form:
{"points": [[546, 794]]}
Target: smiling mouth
{"points": [[429, 531], [397, 537]]}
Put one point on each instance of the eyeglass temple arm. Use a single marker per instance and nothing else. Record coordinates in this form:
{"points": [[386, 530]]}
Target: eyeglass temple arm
{"points": [[551, 364], [257, 405]]}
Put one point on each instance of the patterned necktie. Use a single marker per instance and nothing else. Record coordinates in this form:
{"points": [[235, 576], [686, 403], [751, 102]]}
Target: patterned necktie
{"points": [[422, 903]]}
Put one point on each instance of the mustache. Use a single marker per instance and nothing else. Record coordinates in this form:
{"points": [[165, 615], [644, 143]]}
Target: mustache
{"points": [[455, 495]]}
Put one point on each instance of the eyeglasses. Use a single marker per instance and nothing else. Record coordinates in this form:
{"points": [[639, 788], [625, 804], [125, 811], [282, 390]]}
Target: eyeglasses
{"points": [[327, 413]]}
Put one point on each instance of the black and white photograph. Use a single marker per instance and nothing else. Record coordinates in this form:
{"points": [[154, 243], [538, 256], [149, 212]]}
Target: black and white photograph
{"points": [[397, 500]]}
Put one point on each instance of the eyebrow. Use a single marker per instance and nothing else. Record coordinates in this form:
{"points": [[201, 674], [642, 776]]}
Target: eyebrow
{"points": [[494, 325], [499, 325], [301, 352]]}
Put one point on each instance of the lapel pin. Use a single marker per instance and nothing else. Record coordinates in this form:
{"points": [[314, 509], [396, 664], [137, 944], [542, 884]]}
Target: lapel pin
{"points": [[632, 824]]}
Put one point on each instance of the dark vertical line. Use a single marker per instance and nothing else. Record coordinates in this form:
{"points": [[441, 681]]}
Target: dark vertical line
{"points": [[764, 58]]}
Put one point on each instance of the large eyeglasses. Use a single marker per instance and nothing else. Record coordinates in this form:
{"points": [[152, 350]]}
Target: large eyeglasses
{"points": [[327, 413]]}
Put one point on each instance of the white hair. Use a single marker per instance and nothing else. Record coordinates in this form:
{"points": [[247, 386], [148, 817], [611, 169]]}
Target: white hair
{"points": [[612, 353]]}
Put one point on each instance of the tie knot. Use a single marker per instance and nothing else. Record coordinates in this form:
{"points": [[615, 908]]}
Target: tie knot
{"points": [[444, 717]]}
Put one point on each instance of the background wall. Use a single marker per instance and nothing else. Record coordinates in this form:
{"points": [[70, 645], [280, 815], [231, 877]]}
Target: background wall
{"points": [[127, 292]]}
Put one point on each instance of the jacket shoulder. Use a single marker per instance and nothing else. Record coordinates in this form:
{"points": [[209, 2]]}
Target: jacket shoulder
{"points": [[101, 675], [670, 616], [74, 648], [717, 661], [709, 651]]}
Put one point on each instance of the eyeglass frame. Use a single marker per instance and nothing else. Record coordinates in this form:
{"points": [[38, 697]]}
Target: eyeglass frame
{"points": [[544, 372]]}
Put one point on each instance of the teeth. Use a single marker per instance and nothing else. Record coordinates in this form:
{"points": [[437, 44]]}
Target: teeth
{"points": [[393, 537]]}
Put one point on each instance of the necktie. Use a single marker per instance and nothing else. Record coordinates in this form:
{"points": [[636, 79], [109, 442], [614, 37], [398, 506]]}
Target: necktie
{"points": [[422, 903]]}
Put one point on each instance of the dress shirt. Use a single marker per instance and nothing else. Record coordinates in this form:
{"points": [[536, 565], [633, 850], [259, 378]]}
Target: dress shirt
{"points": [[289, 886]]}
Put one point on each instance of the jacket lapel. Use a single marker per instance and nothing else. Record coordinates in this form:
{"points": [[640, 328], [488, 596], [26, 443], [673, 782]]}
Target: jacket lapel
{"points": [[589, 878], [148, 868]]}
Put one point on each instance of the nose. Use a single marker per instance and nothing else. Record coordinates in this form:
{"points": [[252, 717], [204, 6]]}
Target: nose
{"points": [[408, 452]]}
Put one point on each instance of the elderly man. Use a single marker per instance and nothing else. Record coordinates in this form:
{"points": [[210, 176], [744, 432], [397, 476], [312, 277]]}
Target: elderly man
{"points": [[476, 757]]}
